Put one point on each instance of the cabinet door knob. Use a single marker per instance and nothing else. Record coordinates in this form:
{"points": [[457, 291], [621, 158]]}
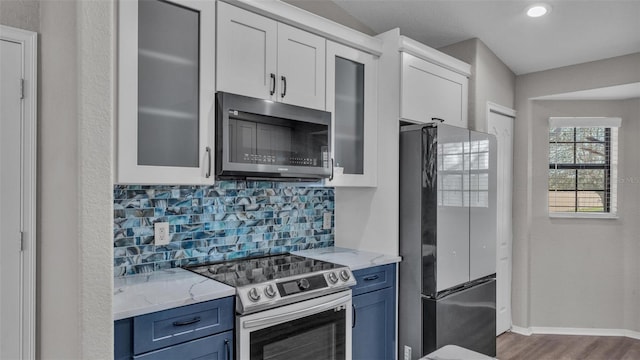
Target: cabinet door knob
{"points": [[273, 84], [284, 84]]}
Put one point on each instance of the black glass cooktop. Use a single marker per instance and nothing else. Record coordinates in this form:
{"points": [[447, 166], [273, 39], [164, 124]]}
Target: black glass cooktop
{"points": [[256, 270]]}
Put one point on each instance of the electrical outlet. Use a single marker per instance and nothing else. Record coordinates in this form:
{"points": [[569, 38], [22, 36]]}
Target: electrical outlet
{"points": [[407, 352], [326, 221], [161, 230]]}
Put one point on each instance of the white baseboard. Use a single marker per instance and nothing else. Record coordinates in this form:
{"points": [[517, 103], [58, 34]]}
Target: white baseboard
{"points": [[575, 331], [521, 330]]}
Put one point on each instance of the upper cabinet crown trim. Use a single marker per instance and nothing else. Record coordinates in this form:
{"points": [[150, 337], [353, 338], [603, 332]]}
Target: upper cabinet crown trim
{"points": [[291, 15], [432, 55]]}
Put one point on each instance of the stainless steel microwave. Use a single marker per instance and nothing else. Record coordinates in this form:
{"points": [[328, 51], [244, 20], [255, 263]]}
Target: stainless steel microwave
{"points": [[258, 138]]}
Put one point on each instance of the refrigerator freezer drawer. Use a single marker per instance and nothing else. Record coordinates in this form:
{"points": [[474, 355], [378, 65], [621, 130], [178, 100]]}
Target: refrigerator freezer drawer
{"points": [[466, 318]]}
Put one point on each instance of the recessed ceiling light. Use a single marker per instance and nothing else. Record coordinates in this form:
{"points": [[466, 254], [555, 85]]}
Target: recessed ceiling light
{"points": [[538, 10]]}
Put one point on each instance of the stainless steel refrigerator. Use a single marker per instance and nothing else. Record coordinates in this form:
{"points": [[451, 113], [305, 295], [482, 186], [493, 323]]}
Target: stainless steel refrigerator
{"points": [[447, 291]]}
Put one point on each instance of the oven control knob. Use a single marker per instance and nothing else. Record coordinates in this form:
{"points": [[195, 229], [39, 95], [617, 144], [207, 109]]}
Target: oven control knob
{"points": [[333, 278], [344, 275], [270, 291], [254, 295], [303, 284]]}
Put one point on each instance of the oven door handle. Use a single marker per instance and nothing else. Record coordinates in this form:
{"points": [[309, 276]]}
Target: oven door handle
{"points": [[278, 319]]}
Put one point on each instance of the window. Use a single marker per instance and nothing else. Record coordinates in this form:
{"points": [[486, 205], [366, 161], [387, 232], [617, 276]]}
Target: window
{"points": [[583, 158]]}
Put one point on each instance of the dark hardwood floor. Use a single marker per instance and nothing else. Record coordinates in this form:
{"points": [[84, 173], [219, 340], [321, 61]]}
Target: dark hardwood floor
{"points": [[513, 346]]}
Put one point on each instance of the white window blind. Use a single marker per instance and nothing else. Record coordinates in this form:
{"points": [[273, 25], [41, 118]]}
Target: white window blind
{"points": [[583, 166]]}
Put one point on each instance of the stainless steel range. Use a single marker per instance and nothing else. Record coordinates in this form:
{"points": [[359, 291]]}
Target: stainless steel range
{"points": [[288, 306]]}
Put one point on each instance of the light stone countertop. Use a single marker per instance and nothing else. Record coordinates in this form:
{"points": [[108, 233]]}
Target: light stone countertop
{"points": [[354, 259], [161, 290], [146, 293]]}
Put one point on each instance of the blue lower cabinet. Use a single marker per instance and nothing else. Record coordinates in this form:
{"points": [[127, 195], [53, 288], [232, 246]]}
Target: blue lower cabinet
{"points": [[374, 311], [123, 339], [199, 331]]}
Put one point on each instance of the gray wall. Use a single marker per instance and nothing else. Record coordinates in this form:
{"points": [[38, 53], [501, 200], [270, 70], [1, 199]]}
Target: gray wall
{"points": [[58, 334], [58, 273], [491, 80], [21, 14], [74, 170], [569, 272], [584, 272]]}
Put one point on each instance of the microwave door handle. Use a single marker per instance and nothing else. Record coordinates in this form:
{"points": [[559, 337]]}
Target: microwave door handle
{"points": [[279, 319]]}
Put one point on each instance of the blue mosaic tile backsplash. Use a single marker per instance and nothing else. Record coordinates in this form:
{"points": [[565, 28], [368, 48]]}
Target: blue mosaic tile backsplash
{"points": [[229, 220]]}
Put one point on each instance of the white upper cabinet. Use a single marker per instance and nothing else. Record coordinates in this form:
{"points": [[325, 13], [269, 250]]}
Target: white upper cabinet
{"points": [[352, 99], [301, 67], [247, 52], [430, 91], [262, 58], [165, 92]]}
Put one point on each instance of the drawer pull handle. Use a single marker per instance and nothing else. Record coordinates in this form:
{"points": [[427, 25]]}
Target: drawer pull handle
{"points": [[188, 322], [371, 278]]}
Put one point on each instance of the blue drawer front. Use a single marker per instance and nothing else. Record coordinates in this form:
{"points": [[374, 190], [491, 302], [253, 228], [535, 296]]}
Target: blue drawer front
{"points": [[165, 328], [216, 347], [374, 278]]}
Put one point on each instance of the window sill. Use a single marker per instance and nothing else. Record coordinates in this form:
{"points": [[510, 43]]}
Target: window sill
{"points": [[568, 215]]}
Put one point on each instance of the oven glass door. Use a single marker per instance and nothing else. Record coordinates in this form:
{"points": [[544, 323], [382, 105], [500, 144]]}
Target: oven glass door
{"points": [[320, 336], [314, 329]]}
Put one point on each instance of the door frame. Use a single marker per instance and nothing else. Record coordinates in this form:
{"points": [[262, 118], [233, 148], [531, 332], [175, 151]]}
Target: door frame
{"points": [[29, 42], [505, 111]]}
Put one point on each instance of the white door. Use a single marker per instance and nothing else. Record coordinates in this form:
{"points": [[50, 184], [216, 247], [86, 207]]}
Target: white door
{"points": [[501, 126], [17, 193], [10, 228]]}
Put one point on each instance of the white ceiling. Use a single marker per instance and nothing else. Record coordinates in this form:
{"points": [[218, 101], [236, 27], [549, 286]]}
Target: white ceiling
{"points": [[576, 31]]}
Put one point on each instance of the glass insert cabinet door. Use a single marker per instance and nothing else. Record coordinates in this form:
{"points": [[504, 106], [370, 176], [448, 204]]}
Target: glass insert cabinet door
{"points": [[349, 115], [351, 98], [168, 63], [166, 69]]}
